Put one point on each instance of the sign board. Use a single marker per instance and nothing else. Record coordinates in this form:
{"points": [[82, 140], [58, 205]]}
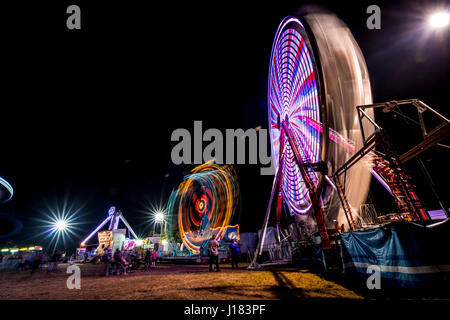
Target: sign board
{"points": [[118, 239], [105, 240], [128, 244]]}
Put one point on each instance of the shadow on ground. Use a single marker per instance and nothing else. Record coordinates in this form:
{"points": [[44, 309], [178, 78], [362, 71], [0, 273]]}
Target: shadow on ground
{"points": [[287, 290]]}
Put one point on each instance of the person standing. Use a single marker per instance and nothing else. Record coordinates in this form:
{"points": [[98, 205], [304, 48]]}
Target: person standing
{"points": [[148, 259], [106, 260], [53, 263], [213, 250], [58, 259], [234, 252], [37, 260], [119, 262], [154, 257]]}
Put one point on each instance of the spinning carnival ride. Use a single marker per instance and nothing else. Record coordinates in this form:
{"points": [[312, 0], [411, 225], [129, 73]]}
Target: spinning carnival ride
{"points": [[114, 217], [10, 224], [6, 191], [317, 76], [204, 204], [320, 113]]}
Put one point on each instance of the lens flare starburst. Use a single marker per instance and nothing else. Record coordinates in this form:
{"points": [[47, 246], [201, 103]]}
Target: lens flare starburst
{"points": [[155, 215], [158, 217], [59, 224]]}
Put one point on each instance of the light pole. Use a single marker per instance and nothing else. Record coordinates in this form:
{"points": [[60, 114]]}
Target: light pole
{"points": [[158, 219]]}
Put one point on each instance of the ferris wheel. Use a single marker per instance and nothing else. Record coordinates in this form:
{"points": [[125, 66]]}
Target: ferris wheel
{"points": [[317, 77]]}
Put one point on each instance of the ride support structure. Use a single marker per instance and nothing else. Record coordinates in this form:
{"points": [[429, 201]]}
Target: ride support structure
{"points": [[114, 216], [380, 151], [306, 169]]}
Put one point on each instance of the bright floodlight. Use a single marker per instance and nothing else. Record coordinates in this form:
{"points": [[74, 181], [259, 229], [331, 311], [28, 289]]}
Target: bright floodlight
{"points": [[159, 217], [59, 222], [439, 20], [60, 225]]}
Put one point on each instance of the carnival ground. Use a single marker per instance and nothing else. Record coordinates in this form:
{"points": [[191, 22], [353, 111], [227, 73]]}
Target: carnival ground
{"points": [[192, 282], [172, 282]]}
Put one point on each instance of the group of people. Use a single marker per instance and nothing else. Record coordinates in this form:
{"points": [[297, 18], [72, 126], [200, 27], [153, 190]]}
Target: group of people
{"points": [[35, 259], [122, 262], [55, 258], [213, 251]]}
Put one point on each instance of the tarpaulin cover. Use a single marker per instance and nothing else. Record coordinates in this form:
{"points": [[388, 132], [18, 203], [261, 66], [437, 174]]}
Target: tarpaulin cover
{"points": [[310, 256], [409, 254], [248, 243], [270, 240]]}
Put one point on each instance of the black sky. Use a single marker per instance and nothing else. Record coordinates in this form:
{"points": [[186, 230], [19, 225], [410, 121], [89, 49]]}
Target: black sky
{"points": [[88, 114]]}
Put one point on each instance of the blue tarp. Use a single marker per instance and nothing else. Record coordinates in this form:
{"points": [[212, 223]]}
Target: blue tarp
{"points": [[409, 254], [311, 256]]}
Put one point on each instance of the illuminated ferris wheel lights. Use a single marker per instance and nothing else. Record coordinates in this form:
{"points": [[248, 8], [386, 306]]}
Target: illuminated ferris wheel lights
{"points": [[294, 105], [439, 20]]}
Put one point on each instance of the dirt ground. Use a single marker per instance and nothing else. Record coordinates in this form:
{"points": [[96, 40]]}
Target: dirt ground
{"points": [[172, 282]]}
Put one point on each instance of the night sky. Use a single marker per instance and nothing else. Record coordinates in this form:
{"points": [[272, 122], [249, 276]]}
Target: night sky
{"points": [[87, 115]]}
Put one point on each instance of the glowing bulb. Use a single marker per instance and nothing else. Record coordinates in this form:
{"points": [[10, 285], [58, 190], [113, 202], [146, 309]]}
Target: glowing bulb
{"points": [[159, 217], [60, 225], [439, 20]]}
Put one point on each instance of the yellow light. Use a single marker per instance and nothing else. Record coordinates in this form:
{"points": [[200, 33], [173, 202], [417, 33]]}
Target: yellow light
{"points": [[31, 248], [5, 250], [23, 249]]}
